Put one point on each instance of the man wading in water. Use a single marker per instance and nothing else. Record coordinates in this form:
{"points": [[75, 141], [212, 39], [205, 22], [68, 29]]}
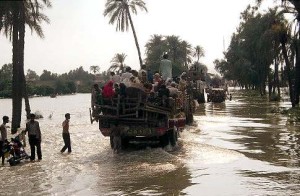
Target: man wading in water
{"points": [[35, 137], [3, 136], [66, 134]]}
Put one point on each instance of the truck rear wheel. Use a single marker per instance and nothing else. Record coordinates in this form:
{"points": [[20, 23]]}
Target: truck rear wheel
{"points": [[164, 140], [173, 137], [124, 142]]}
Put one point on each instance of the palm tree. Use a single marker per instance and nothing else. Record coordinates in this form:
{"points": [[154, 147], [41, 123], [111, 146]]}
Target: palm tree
{"points": [[173, 46], [94, 69], [293, 6], [278, 28], [186, 49], [119, 12], [118, 63], [154, 48], [198, 52], [14, 15]]}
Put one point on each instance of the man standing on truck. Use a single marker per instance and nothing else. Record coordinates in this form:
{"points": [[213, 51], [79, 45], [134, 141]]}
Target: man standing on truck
{"points": [[165, 68]]}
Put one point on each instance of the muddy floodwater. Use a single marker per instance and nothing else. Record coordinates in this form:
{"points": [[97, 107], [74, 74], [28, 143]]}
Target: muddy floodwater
{"points": [[240, 147]]}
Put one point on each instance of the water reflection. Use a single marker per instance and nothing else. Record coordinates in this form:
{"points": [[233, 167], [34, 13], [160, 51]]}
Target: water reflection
{"points": [[266, 137], [235, 148]]}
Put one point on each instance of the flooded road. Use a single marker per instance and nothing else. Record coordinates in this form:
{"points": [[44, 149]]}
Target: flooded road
{"points": [[235, 148]]}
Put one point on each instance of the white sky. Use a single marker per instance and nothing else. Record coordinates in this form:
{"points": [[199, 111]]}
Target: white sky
{"points": [[79, 35]]}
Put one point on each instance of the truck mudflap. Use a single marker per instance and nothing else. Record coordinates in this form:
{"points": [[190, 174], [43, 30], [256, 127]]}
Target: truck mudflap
{"points": [[145, 132], [137, 131]]}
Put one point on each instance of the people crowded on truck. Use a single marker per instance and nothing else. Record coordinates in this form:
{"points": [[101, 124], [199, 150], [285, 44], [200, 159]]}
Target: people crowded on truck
{"points": [[154, 89]]}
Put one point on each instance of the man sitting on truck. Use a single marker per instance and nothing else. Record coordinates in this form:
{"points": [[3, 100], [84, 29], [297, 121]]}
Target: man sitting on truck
{"points": [[173, 90], [163, 94], [96, 99]]}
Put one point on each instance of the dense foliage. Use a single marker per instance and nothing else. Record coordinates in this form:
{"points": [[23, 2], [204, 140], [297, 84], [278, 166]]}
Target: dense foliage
{"points": [[180, 52], [254, 48], [265, 51], [48, 83]]}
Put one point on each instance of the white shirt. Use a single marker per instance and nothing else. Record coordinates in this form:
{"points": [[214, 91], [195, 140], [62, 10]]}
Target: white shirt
{"points": [[125, 78], [116, 78], [165, 69]]}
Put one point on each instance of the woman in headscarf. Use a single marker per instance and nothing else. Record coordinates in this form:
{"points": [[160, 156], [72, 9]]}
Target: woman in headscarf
{"points": [[108, 90], [156, 78]]}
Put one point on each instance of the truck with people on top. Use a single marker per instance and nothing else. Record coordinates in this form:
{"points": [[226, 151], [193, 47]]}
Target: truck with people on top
{"points": [[130, 107]]}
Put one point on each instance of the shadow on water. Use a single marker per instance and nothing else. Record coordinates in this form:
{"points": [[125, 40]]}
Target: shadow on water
{"points": [[151, 171]]}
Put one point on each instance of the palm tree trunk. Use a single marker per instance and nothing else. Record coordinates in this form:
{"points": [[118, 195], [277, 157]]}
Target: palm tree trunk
{"points": [[22, 44], [297, 66], [296, 3], [276, 78], [297, 73], [135, 37], [26, 99], [264, 80], [270, 86], [17, 79], [288, 69]]}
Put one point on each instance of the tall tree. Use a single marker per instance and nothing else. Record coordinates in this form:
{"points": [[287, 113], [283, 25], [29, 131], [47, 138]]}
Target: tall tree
{"points": [[187, 51], [180, 52], [253, 48], [198, 52], [119, 12], [293, 6], [14, 15], [94, 69], [155, 47], [118, 62]]}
